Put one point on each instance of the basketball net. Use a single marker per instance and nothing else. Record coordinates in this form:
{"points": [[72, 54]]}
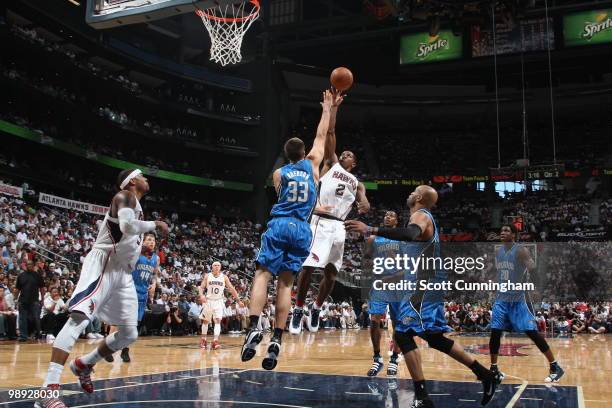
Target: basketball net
{"points": [[226, 26]]}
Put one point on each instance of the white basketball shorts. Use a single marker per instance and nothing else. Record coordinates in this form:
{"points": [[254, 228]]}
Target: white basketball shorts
{"points": [[327, 243]]}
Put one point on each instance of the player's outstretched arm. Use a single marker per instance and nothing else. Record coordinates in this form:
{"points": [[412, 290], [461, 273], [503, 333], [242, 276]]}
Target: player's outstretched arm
{"points": [[318, 147], [277, 179], [419, 223], [363, 205], [330, 156]]}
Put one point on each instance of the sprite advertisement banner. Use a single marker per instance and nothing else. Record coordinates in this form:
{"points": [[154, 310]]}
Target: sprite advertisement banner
{"points": [[588, 27], [420, 47]]}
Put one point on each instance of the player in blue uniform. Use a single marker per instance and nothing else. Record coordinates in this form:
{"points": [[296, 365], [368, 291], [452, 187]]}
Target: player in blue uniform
{"points": [[286, 242], [379, 299], [421, 313], [144, 279], [511, 311]]}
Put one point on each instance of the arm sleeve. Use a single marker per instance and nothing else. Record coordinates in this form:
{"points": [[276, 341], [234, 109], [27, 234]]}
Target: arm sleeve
{"points": [[409, 233], [128, 224]]}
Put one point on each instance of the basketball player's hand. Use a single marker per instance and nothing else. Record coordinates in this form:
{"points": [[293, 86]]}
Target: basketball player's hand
{"points": [[328, 100], [162, 227], [356, 226], [338, 97]]}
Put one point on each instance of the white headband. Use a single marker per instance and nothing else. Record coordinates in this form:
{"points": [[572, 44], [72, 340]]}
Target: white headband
{"points": [[133, 174]]}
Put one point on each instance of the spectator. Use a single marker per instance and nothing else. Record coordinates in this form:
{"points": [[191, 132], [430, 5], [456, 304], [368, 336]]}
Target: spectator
{"points": [[8, 318], [31, 289], [54, 313]]}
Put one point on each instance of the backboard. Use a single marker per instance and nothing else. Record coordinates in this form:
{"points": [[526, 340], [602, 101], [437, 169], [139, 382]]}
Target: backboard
{"points": [[115, 13]]}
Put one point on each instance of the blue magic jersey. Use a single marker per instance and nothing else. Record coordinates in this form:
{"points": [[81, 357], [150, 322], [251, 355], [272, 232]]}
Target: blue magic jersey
{"points": [[420, 310], [510, 268], [298, 191], [142, 275]]}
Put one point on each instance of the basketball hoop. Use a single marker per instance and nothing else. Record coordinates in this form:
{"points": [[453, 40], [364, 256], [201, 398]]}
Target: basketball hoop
{"points": [[227, 26]]}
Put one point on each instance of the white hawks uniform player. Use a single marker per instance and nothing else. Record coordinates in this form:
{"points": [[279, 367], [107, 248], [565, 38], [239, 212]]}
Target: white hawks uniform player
{"points": [[214, 302], [337, 193]]}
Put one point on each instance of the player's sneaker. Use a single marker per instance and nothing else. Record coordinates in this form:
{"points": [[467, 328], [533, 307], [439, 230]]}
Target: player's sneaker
{"points": [[422, 403], [251, 340], [215, 345], [392, 368], [313, 320], [376, 368], [49, 401], [83, 371], [203, 343], [556, 372], [295, 327], [500, 376], [489, 384], [125, 355], [271, 359], [109, 358]]}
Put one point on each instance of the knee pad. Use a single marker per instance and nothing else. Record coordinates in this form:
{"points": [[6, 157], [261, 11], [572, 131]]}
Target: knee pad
{"points": [[539, 341], [495, 341], [405, 341], [123, 337], [70, 332], [438, 341]]}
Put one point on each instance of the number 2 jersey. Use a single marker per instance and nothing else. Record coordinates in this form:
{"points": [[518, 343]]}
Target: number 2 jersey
{"points": [[339, 190]]}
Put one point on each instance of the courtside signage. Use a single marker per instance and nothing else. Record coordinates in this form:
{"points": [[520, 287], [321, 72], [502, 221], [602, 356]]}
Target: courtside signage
{"points": [[588, 27], [420, 47]]}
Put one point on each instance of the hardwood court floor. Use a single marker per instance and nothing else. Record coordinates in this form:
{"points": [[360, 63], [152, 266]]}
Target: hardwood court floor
{"points": [[587, 360]]}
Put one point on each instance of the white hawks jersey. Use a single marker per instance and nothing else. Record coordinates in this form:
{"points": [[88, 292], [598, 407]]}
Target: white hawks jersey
{"points": [[338, 189], [123, 248], [215, 286]]}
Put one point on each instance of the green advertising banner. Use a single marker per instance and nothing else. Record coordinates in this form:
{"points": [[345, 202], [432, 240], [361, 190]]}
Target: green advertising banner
{"points": [[15, 130], [419, 48], [588, 27]]}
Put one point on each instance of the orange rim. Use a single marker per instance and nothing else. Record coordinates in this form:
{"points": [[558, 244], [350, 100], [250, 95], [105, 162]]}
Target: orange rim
{"points": [[254, 13]]}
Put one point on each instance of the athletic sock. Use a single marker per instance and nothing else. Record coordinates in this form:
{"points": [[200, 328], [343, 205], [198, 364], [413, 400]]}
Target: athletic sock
{"points": [[480, 371], [377, 356], [419, 390], [54, 373], [278, 334], [394, 356], [554, 365], [92, 357], [254, 321]]}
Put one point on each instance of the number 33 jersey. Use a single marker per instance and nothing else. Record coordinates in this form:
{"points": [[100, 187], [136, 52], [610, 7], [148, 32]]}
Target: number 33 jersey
{"points": [[339, 190], [297, 193]]}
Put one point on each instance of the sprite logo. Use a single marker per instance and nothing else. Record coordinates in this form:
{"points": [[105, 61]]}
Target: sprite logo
{"points": [[603, 23], [434, 44]]}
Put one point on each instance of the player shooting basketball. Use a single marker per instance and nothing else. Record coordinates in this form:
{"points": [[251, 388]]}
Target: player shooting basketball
{"points": [[338, 190]]}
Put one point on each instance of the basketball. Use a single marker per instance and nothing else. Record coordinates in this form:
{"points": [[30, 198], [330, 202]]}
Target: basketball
{"points": [[341, 78]]}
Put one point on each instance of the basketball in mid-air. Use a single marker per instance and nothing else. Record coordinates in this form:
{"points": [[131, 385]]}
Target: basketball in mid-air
{"points": [[341, 78]]}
